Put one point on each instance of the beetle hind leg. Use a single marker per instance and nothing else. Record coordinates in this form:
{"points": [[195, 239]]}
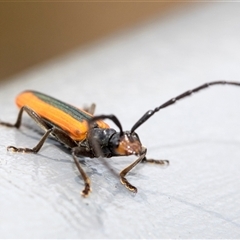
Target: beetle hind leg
{"points": [[19, 119], [91, 109]]}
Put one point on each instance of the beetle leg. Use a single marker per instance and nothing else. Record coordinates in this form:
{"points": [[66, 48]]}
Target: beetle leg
{"points": [[126, 170], [159, 162], [90, 109], [38, 120], [32, 114], [18, 121], [34, 149], [87, 189]]}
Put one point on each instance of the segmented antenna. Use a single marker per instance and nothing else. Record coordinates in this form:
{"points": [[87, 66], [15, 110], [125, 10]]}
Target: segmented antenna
{"points": [[149, 113]]}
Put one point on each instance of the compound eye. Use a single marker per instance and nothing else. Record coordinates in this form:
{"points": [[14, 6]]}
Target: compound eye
{"points": [[134, 137]]}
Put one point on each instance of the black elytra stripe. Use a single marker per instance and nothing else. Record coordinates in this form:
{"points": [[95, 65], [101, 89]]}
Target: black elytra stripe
{"points": [[69, 109]]}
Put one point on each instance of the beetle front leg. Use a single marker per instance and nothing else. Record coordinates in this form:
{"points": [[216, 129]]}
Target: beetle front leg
{"points": [[125, 171], [159, 162]]}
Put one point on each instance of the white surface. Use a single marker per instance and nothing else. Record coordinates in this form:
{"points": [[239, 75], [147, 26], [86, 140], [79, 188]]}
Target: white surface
{"points": [[197, 196]]}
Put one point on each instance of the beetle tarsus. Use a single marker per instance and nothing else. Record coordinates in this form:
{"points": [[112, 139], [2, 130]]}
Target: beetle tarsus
{"points": [[6, 124], [128, 185], [14, 149], [20, 150], [86, 190], [154, 161]]}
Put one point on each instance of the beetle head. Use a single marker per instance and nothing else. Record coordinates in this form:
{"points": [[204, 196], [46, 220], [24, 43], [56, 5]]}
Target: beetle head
{"points": [[126, 143]]}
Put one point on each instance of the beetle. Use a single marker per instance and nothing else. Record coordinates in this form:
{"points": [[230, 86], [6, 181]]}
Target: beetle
{"points": [[87, 135]]}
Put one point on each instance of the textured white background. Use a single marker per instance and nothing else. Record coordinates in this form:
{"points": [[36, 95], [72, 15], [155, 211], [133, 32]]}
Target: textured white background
{"points": [[197, 196]]}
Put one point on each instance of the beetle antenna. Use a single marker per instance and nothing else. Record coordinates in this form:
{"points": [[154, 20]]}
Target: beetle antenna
{"points": [[111, 117], [149, 113]]}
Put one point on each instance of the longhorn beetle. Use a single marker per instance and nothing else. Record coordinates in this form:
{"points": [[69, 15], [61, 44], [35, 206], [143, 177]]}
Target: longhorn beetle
{"points": [[87, 135]]}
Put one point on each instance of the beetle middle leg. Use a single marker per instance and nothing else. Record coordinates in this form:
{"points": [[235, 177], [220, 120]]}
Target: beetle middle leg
{"points": [[159, 162], [34, 149], [38, 120], [142, 159]]}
